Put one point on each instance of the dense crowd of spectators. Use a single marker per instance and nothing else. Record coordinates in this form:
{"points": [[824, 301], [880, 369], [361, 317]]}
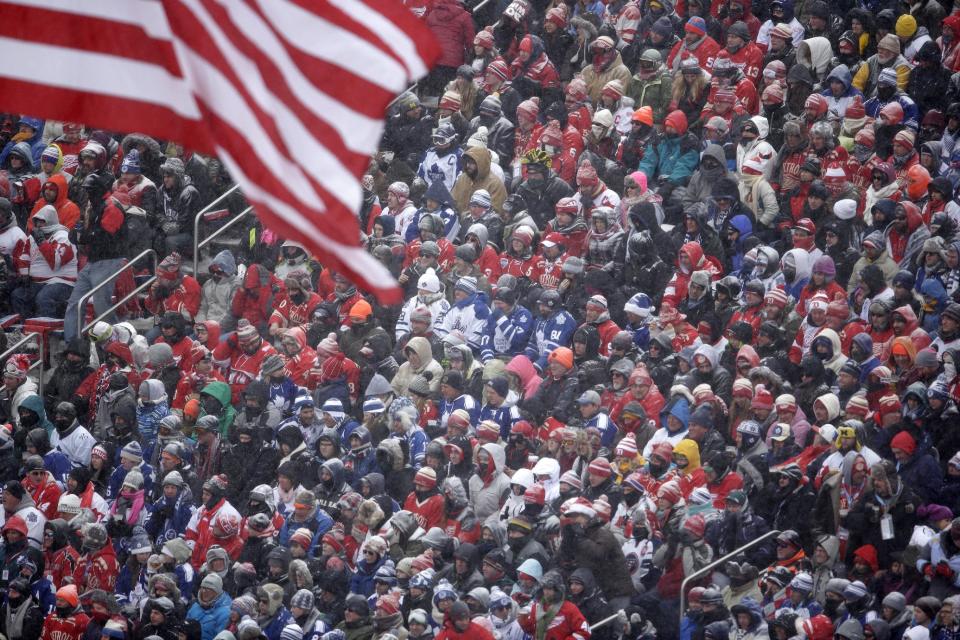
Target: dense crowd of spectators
{"points": [[675, 277]]}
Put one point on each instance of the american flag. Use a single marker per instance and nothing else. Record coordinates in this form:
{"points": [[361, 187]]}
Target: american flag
{"points": [[289, 94]]}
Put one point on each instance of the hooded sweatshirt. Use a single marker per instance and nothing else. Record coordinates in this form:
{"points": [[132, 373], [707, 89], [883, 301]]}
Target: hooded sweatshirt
{"points": [[217, 295], [54, 259]]}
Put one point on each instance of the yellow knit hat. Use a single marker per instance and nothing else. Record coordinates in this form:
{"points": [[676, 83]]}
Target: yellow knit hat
{"points": [[906, 26]]}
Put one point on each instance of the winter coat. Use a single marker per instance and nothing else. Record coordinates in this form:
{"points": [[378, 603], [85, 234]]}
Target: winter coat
{"points": [[486, 495], [213, 619], [863, 521], [568, 623], [596, 80], [542, 202], [69, 628], [655, 92], [464, 187], [217, 296], [169, 517], [672, 157], [407, 372], [600, 551], [556, 398], [452, 27], [700, 187]]}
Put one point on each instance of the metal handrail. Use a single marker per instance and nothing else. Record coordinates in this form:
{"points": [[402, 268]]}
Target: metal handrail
{"points": [[196, 220], [82, 303], [22, 341], [201, 244], [717, 562], [480, 6]]}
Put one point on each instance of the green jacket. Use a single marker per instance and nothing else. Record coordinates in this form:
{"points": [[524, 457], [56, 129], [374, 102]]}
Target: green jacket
{"points": [[221, 391], [655, 93]]}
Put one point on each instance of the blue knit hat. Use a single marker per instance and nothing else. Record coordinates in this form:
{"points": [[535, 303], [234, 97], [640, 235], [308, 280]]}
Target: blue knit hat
{"points": [[374, 405], [467, 284], [131, 162], [639, 305], [697, 25]]}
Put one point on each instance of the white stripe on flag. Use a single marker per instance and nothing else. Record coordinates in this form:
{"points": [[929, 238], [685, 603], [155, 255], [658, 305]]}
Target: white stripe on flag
{"points": [[219, 94], [388, 32], [141, 13], [357, 132], [338, 46], [354, 256]]}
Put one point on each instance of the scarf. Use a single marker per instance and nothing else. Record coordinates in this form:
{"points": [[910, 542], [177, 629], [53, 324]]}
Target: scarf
{"points": [[136, 505], [15, 617], [544, 617]]}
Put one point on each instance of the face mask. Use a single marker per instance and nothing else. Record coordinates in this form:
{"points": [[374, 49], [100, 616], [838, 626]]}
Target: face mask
{"points": [[640, 533], [252, 412], [62, 424], [29, 419], [516, 544], [536, 183], [64, 612], [212, 406]]}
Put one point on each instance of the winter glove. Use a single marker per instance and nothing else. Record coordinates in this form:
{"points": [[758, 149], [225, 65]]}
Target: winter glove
{"points": [[928, 571], [944, 571]]}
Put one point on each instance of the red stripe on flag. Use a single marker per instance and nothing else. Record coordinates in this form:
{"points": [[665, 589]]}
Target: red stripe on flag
{"points": [[105, 112], [323, 132], [352, 89], [86, 33]]}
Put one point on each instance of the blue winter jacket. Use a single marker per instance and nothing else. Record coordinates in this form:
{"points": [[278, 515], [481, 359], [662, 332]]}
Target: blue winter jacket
{"points": [[212, 619]]}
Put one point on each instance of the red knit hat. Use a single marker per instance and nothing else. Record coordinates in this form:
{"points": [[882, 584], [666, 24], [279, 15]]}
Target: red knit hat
{"points": [[905, 442], [855, 110], [388, 604], [762, 399], [426, 477], [776, 297], [889, 403], [488, 431], [587, 175], [678, 120], [600, 467], [535, 494], [857, 406]]}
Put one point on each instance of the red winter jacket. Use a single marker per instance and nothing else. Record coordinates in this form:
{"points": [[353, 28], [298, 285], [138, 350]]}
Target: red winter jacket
{"points": [[290, 314], [97, 570], [452, 25], [186, 352], [60, 564], [45, 494], [242, 368], [185, 298], [254, 300], [567, 624], [749, 59], [428, 513], [70, 628], [473, 632]]}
